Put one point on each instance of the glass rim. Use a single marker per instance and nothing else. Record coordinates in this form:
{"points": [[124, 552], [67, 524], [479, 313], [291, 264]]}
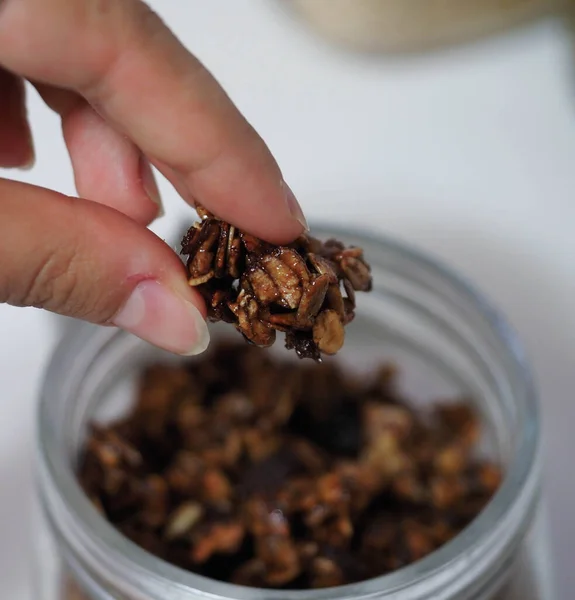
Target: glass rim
{"points": [[131, 556]]}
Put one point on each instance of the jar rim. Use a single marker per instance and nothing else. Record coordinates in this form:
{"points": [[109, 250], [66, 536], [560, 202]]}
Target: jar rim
{"points": [[518, 476]]}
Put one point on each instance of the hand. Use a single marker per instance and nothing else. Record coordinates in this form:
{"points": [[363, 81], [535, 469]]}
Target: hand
{"points": [[129, 94]]}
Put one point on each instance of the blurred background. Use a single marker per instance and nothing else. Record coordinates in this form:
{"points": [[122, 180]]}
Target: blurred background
{"points": [[448, 124]]}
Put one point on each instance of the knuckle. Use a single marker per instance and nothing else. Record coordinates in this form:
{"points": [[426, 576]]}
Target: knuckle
{"points": [[52, 282], [56, 284], [130, 24]]}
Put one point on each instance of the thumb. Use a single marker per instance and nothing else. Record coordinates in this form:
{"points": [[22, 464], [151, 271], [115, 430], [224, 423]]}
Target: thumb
{"points": [[85, 260]]}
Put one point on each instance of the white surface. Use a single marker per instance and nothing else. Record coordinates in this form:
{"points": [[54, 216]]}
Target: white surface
{"points": [[469, 154]]}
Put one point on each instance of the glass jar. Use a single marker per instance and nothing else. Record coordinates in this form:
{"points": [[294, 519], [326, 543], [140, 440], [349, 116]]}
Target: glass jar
{"points": [[406, 25], [447, 341]]}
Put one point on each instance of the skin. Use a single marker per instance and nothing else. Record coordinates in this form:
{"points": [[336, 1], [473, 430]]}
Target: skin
{"points": [[129, 96]]}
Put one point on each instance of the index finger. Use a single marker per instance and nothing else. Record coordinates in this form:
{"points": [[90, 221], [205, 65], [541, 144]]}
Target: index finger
{"points": [[121, 57]]}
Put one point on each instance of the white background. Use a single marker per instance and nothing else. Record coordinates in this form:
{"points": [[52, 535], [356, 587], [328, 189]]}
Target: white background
{"points": [[469, 154]]}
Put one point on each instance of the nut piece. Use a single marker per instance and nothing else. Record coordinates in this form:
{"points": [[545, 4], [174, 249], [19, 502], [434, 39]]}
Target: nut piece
{"points": [[183, 519], [328, 332], [357, 273], [261, 288]]}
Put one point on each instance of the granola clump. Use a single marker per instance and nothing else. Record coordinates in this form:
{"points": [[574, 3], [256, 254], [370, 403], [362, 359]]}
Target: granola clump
{"points": [[305, 289]]}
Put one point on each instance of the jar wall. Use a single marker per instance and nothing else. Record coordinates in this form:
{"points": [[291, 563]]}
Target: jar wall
{"points": [[446, 341], [529, 577]]}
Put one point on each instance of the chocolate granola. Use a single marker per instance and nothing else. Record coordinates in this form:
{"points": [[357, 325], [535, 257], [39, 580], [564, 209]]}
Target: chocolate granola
{"points": [[305, 289], [262, 472]]}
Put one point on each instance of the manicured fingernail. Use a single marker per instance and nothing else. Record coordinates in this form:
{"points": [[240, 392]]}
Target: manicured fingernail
{"points": [[150, 185], [160, 316], [294, 207]]}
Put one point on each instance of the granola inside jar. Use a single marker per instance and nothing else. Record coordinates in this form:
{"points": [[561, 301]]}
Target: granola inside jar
{"points": [[414, 25], [446, 341]]}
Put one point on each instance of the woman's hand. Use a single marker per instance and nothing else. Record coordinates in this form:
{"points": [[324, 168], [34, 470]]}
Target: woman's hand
{"points": [[129, 94]]}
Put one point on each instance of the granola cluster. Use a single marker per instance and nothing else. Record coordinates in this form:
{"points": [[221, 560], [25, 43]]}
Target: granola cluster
{"points": [[267, 473], [262, 289]]}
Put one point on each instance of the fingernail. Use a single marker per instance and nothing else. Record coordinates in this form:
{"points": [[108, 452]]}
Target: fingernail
{"points": [[150, 185], [31, 161], [158, 315], [294, 207], [28, 166]]}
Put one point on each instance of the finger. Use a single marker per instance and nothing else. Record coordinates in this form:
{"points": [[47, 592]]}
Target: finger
{"points": [[16, 149], [78, 258], [141, 79], [108, 167]]}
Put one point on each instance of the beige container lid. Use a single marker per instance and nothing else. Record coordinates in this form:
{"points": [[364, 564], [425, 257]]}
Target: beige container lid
{"points": [[404, 25]]}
